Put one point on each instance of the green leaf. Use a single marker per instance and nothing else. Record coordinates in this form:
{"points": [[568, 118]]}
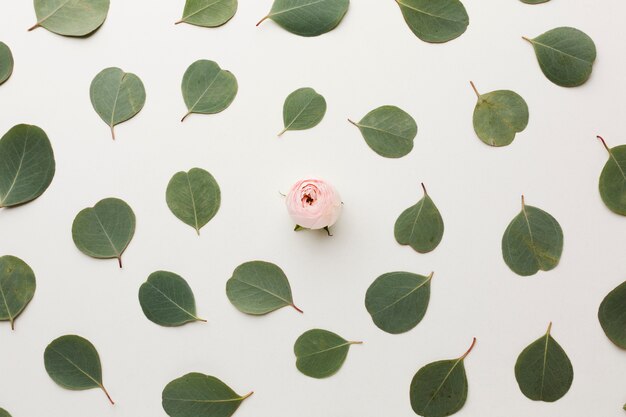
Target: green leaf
{"points": [[397, 301], [498, 116], [439, 389], [71, 17], [320, 353], [116, 96], [207, 88], [543, 370], [612, 315], [208, 13], [4, 413], [259, 287], [6, 62], [389, 131], [104, 230], [195, 395], [308, 17], [534, 1], [612, 183], [303, 109], [73, 363], [26, 165], [420, 226], [17, 287], [565, 55], [533, 241], [166, 299], [435, 21], [194, 197]]}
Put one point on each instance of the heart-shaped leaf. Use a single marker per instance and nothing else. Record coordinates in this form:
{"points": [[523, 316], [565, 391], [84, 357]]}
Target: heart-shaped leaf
{"points": [[208, 13], [543, 370], [420, 226], [612, 315], [435, 21], [17, 287], [303, 109], [194, 197], [195, 395], [498, 116], [439, 389], [26, 165], [397, 301], [612, 183], [104, 230], [71, 17], [116, 96], [4, 413], [259, 287], [6, 62], [533, 241], [320, 353], [166, 299], [565, 55], [389, 131], [73, 363], [207, 88], [308, 17]]}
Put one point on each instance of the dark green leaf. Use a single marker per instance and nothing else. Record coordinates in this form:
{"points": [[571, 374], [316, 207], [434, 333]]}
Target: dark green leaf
{"points": [[435, 21], [533, 241], [198, 395], [612, 315], [303, 109], [439, 389], [17, 287], [208, 13], [613, 179], [6, 62], [104, 230], [71, 17], [389, 131], [397, 301], [166, 299], [207, 88], [26, 165], [565, 55], [194, 197], [73, 363], [308, 17], [420, 226], [543, 370], [4, 413], [259, 287], [320, 353]]}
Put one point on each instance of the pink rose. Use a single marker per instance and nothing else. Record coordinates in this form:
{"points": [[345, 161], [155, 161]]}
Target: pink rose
{"points": [[313, 204]]}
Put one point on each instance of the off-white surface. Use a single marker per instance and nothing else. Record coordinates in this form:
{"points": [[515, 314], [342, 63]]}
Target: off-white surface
{"points": [[371, 59]]}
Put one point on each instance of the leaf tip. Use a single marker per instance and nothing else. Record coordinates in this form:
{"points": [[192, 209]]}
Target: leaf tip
{"points": [[424, 188], [430, 276]]}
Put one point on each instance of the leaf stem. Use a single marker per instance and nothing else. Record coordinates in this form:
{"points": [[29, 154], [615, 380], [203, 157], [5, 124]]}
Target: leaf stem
{"points": [[113, 132], [523, 202], [356, 343], [469, 350], [119, 261], [430, 276], [199, 319], [184, 117], [475, 89], [526, 39], [178, 22], [604, 143], [353, 123], [107, 394], [247, 395], [33, 27], [297, 309], [549, 329], [12, 323], [262, 20], [424, 188], [282, 131]]}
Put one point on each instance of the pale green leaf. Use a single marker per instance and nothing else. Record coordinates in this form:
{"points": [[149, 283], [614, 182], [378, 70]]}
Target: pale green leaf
{"points": [[208, 13], [308, 17], [435, 21], [320, 353], [71, 17], [207, 88], [194, 197], [303, 109], [389, 131], [4, 413], [420, 226]]}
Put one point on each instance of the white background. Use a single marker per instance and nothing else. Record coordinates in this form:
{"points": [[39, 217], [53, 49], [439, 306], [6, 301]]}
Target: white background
{"points": [[371, 59]]}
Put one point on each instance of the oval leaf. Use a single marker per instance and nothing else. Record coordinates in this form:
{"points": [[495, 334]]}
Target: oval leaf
{"points": [[26, 165], [116, 96], [207, 88], [308, 17], [612, 315], [435, 21], [6, 62], [71, 17], [259, 287], [4, 413], [166, 299], [420, 226], [565, 55], [320, 353], [534, 1], [498, 116], [73, 363], [612, 183], [389, 131], [303, 109], [208, 13], [397, 301], [104, 230], [533, 241], [17, 287], [195, 395], [439, 389], [543, 370], [194, 197]]}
